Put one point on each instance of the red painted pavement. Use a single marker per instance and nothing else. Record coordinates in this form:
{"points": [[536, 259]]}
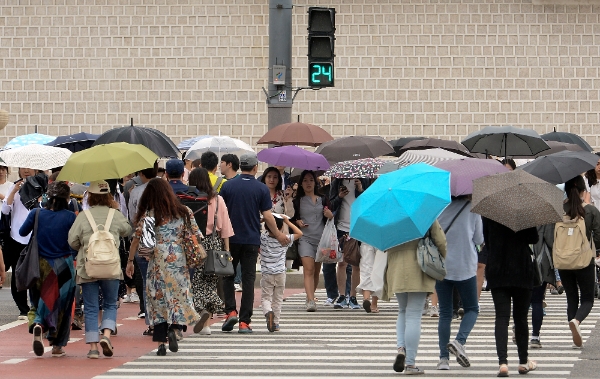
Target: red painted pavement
{"points": [[129, 344]]}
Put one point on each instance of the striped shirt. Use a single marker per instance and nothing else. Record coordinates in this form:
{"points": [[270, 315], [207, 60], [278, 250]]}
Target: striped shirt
{"points": [[272, 254]]}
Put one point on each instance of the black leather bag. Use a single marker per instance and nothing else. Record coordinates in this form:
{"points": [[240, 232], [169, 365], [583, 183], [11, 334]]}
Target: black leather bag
{"points": [[218, 262], [27, 271]]}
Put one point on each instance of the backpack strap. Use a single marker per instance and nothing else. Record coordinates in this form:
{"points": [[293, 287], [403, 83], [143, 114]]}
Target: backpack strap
{"points": [[218, 183], [106, 226], [456, 216], [109, 218], [90, 218]]}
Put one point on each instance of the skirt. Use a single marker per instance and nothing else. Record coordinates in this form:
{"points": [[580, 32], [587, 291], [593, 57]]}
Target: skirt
{"points": [[204, 287]]}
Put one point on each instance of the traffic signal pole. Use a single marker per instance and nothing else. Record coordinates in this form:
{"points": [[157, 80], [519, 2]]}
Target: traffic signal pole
{"points": [[279, 94]]}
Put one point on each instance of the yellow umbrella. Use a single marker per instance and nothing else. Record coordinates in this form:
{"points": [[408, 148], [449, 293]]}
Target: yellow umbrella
{"points": [[110, 161]]}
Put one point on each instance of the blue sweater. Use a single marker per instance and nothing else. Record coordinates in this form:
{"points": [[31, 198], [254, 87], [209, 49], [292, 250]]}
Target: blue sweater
{"points": [[52, 233]]}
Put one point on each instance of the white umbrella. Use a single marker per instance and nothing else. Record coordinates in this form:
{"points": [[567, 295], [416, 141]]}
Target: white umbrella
{"points": [[218, 145], [37, 157]]}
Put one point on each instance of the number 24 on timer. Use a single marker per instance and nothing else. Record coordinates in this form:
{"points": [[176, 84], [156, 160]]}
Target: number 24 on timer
{"points": [[320, 75]]}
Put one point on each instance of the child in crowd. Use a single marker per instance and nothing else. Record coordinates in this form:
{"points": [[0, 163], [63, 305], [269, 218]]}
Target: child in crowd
{"points": [[272, 265]]}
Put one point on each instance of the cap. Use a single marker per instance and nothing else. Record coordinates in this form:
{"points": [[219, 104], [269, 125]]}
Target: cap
{"points": [[174, 167], [99, 187], [248, 160], [59, 189]]}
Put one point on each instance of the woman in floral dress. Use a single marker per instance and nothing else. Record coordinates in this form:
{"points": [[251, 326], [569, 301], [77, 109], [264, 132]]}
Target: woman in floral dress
{"points": [[169, 299]]}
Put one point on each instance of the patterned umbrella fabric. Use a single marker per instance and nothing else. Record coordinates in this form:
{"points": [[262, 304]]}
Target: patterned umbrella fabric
{"points": [[75, 142], [354, 147], [293, 156], [464, 171], [559, 167], [28, 139], [296, 133], [429, 156], [186, 144], [218, 145], [503, 141], [37, 157], [517, 200], [568, 138], [360, 168], [435, 143]]}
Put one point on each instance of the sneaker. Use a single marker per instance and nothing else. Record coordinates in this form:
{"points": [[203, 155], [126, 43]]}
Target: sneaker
{"points": [[561, 289], [205, 331], [172, 338], [455, 315], [38, 344], [270, 317], [353, 303], [134, 298], [237, 287], [457, 349], [433, 311], [245, 328], [162, 350], [141, 314], [127, 299], [329, 302], [311, 306], [341, 302], [148, 332], [106, 346], [93, 354], [576, 332], [461, 312], [58, 352], [400, 358], [23, 316], [204, 316], [443, 364], [553, 291], [535, 344], [277, 328], [230, 320], [413, 371]]}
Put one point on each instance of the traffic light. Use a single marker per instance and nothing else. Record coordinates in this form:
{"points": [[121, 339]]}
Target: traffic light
{"points": [[321, 43]]}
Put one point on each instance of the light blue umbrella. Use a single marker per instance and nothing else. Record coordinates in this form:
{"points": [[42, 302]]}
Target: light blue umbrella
{"points": [[400, 206], [186, 144], [28, 139]]}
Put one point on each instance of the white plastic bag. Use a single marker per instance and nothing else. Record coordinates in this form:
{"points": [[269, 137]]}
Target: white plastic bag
{"points": [[328, 250]]}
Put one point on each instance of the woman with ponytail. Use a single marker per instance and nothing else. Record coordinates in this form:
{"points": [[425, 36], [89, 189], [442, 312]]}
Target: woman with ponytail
{"points": [[579, 284]]}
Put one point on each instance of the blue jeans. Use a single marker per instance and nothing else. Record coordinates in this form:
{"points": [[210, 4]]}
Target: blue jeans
{"points": [[110, 293], [408, 325], [238, 275], [467, 289], [143, 265]]}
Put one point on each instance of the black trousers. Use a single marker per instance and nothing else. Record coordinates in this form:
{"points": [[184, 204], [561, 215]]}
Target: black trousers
{"points": [[520, 298], [579, 302], [11, 252], [246, 256], [161, 330]]}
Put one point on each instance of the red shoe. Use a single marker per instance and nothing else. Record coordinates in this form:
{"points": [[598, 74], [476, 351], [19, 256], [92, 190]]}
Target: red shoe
{"points": [[230, 320], [245, 328]]}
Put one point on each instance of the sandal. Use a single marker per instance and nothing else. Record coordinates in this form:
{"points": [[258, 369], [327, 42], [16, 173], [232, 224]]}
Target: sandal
{"points": [[529, 366], [374, 309], [503, 371]]}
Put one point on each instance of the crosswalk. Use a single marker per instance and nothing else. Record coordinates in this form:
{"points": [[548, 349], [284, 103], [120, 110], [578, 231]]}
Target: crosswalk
{"points": [[351, 343]]}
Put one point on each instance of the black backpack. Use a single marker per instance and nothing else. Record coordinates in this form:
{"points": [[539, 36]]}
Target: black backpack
{"points": [[198, 203]]}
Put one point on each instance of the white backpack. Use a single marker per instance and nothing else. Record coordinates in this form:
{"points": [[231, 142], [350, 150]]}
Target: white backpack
{"points": [[102, 259]]}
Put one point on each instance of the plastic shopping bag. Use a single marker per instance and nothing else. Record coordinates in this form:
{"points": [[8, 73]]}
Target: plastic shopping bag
{"points": [[328, 250]]}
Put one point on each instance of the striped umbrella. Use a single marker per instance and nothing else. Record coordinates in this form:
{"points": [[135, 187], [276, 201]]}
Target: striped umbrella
{"points": [[430, 156]]}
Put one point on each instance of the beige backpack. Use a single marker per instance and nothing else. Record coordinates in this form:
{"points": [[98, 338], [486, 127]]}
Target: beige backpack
{"points": [[102, 260], [571, 249]]}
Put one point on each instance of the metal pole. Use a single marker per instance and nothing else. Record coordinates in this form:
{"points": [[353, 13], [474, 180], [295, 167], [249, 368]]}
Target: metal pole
{"points": [[279, 99]]}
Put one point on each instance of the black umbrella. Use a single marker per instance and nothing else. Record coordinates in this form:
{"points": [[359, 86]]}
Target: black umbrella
{"points": [[568, 138], [436, 143], [559, 167], [555, 147], [75, 142], [399, 143], [503, 141], [354, 147], [154, 140]]}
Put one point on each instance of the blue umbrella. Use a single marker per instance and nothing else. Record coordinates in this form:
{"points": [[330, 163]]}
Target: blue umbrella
{"points": [[28, 139], [75, 142], [186, 144], [400, 206]]}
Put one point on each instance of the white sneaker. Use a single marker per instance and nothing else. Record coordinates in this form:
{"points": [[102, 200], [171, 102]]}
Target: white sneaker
{"points": [[329, 302], [433, 311], [443, 364], [127, 299], [237, 287], [205, 331], [134, 298]]}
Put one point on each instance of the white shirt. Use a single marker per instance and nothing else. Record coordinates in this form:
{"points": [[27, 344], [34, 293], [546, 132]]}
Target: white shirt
{"points": [[4, 188], [344, 219], [594, 193], [18, 216]]}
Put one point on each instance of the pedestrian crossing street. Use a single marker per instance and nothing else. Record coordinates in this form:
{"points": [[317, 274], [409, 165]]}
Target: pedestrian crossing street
{"points": [[351, 343]]}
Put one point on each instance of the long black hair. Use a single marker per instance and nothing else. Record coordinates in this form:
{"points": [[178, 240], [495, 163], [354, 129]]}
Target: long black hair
{"points": [[199, 178], [574, 187]]}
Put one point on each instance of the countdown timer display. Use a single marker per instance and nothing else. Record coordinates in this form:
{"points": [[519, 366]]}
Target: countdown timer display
{"points": [[320, 74]]}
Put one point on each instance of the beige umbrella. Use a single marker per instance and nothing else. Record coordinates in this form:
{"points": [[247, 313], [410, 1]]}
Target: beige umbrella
{"points": [[37, 157], [517, 200]]}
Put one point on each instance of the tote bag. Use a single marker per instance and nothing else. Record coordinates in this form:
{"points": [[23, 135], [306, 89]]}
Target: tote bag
{"points": [[27, 271]]}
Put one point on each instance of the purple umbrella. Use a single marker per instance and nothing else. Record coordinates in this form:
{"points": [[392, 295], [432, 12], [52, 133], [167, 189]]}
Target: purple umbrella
{"points": [[293, 156], [464, 171]]}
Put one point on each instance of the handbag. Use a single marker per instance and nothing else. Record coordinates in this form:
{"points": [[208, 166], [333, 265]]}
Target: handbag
{"points": [[27, 270], [148, 235], [194, 251], [350, 250], [218, 262]]}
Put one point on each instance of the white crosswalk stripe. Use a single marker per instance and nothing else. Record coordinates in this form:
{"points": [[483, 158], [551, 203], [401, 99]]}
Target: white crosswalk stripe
{"points": [[330, 343]]}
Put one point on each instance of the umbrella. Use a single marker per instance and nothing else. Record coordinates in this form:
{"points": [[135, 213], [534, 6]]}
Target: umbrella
{"points": [[75, 142], [429, 156], [464, 171], [293, 156], [559, 167], [400, 206], [433, 143], [354, 147], [28, 139], [503, 141], [517, 200], [568, 138], [359, 168], [186, 144], [110, 161], [37, 157], [296, 133], [397, 144], [555, 147], [151, 138], [219, 145]]}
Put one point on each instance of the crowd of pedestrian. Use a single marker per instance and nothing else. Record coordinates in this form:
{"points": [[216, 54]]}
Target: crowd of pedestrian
{"points": [[274, 220]]}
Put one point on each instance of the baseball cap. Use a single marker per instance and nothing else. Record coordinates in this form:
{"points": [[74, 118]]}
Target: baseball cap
{"points": [[248, 160], [174, 167], [99, 187]]}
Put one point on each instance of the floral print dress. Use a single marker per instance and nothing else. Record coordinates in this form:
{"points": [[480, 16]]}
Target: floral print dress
{"points": [[168, 295]]}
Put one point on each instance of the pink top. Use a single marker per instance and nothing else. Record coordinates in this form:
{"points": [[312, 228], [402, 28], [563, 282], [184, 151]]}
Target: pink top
{"points": [[223, 223]]}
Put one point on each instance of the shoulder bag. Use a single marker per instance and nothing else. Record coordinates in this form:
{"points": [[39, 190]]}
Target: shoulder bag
{"points": [[218, 262], [350, 250], [27, 270]]}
